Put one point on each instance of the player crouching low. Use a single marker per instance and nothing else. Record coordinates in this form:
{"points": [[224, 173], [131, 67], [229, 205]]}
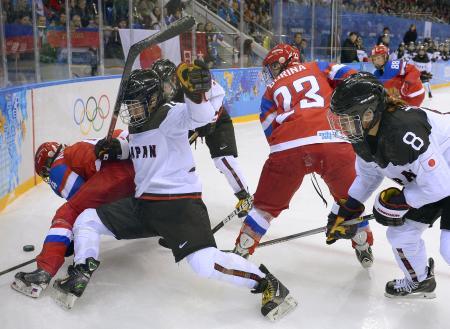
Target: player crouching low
{"points": [[167, 200], [411, 146]]}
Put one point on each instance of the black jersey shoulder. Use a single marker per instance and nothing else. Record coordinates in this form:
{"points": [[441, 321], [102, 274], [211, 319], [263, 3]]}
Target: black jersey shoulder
{"points": [[403, 135], [155, 119]]}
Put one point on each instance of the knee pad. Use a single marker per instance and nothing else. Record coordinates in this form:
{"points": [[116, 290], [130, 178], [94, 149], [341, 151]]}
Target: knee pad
{"points": [[408, 233], [86, 220], [202, 261], [445, 245]]}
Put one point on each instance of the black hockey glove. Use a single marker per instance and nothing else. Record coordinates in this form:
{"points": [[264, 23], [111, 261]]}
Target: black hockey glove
{"points": [[195, 79], [390, 207], [105, 150], [425, 76], [342, 211], [206, 129]]}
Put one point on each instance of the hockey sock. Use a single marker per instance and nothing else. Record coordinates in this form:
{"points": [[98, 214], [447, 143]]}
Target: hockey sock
{"points": [[229, 166], [445, 245], [215, 264], [87, 230], [409, 249]]}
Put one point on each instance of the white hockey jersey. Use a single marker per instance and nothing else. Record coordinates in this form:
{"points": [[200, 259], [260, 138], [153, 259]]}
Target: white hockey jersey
{"points": [[160, 151], [423, 169]]}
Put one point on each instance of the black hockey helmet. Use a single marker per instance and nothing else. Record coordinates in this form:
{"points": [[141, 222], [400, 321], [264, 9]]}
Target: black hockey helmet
{"points": [[142, 96], [356, 106], [167, 73]]}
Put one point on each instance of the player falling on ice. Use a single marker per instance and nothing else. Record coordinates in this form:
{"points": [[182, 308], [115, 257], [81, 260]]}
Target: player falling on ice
{"points": [[293, 116], [399, 78], [167, 199], [218, 134], [411, 146], [75, 174]]}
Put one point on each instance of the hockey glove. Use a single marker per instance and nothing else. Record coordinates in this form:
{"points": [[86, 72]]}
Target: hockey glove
{"points": [[244, 204], [340, 212], [390, 207], [116, 149], [195, 79], [425, 76]]}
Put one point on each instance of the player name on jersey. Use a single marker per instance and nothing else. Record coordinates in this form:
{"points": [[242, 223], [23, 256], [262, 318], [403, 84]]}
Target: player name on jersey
{"points": [[146, 151]]}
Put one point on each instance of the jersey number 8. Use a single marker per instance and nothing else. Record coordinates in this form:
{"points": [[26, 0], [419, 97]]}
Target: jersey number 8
{"points": [[411, 139]]}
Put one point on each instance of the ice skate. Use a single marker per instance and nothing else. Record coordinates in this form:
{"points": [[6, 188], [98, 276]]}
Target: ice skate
{"points": [[363, 251], [32, 283], [276, 300], [404, 288], [69, 289]]}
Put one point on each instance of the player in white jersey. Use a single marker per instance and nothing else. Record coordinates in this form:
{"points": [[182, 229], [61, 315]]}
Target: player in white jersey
{"points": [[218, 134], [411, 146], [167, 201], [422, 63]]}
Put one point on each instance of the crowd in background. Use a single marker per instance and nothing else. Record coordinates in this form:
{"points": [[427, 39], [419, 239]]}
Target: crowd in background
{"points": [[353, 49], [432, 10]]}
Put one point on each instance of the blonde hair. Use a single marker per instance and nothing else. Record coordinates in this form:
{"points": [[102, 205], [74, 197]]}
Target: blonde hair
{"points": [[393, 102]]}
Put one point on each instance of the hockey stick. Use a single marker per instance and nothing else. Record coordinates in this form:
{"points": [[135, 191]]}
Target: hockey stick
{"points": [[193, 137], [182, 25], [310, 232], [427, 85], [17, 266]]}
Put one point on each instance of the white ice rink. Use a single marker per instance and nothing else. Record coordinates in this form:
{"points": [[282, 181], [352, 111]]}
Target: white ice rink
{"points": [[138, 285]]}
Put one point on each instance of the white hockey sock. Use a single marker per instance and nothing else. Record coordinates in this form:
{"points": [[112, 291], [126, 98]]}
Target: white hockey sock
{"points": [[229, 166], [86, 232], [215, 264], [409, 249], [445, 245]]}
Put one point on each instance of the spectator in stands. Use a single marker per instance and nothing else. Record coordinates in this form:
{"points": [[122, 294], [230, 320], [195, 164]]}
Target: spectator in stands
{"points": [[200, 27], [62, 20], [24, 20], [386, 33], [410, 35], [155, 15], [75, 22], [349, 49], [297, 43], [360, 51], [227, 13], [174, 17]]}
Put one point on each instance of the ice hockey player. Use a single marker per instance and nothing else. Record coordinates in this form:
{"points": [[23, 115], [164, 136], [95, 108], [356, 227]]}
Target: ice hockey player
{"points": [[218, 134], [399, 53], [410, 146], [75, 174], [294, 118], [422, 63], [167, 186], [399, 78]]}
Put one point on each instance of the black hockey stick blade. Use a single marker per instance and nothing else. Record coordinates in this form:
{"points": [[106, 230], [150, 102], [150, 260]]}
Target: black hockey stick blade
{"points": [[182, 25], [18, 266]]}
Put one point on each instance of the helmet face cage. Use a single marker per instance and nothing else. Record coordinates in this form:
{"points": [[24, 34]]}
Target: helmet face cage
{"points": [[277, 60], [347, 127], [133, 112]]}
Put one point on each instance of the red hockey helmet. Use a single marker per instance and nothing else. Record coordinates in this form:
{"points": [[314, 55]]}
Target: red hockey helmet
{"points": [[44, 157], [278, 59], [379, 55]]}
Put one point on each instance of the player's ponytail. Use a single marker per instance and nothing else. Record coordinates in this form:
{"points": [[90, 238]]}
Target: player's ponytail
{"points": [[393, 102]]}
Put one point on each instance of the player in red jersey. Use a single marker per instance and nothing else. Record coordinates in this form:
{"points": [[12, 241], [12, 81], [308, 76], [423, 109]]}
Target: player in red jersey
{"points": [[399, 78], [294, 118], [75, 174]]}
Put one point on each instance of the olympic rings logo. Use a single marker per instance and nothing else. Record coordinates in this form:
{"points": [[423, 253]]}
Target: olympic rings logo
{"points": [[92, 114]]}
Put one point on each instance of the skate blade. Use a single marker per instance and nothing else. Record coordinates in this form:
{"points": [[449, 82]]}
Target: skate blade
{"points": [[283, 309], [33, 290], [366, 263], [416, 295], [65, 300]]}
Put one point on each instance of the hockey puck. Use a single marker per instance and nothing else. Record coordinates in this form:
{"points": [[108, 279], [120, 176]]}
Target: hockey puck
{"points": [[28, 248]]}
